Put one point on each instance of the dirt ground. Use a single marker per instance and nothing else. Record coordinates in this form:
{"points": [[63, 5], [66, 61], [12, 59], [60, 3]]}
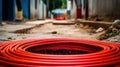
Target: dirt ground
{"points": [[41, 29], [47, 30], [64, 31]]}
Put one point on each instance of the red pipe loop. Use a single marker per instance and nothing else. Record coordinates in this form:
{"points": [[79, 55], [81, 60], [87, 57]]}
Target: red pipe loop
{"points": [[25, 53]]}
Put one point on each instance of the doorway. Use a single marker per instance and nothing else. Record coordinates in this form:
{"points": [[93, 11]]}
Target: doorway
{"points": [[8, 10]]}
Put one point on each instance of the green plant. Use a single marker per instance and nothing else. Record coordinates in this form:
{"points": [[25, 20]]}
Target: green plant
{"points": [[54, 4]]}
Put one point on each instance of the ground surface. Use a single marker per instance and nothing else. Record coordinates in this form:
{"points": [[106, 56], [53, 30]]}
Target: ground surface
{"points": [[115, 38], [46, 29], [63, 31]]}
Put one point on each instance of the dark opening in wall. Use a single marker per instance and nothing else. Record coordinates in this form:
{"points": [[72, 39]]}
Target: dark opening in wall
{"points": [[8, 10]]}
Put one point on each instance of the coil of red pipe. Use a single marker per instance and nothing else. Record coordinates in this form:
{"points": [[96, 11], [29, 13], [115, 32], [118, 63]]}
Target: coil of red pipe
{"points": [[28, 53]]}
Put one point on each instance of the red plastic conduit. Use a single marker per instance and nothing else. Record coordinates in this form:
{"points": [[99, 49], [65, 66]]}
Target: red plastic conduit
{"points": [[59, 52]]}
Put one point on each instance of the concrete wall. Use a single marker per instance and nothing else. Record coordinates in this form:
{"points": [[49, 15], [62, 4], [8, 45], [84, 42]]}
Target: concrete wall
{"points": [[41, 11], [73, 10], [37, 9], [45, 11], [103, 8], [32, 9]]}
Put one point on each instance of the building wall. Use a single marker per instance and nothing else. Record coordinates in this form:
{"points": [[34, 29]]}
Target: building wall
{"points": [[78, 10], [73, 10], [103, 8], [37, 9], [32, 9], [26, 8], [8, 10], [45, 11], [41, 10], [76, 6], [22, 9], [0, 10]]}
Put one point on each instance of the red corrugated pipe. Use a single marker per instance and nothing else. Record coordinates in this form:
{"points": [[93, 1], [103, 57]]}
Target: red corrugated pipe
{"points": [[59, 52]]}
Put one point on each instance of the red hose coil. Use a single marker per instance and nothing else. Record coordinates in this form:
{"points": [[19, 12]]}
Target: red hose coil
{"points": [[23, 53]]}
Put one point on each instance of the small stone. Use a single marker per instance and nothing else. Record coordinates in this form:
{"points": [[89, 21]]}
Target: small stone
{"points": [[24, 37], [10, 38], [54, 32], [1, 24], [20, 34], [116, 23]]}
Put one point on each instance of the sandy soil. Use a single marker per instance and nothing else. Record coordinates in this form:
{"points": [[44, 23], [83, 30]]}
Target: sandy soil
{"points": [[48, 30], [65, 31]]}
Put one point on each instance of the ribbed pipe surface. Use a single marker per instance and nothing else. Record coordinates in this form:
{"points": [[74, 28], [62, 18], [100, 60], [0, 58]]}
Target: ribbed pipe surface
{"points": [[59, 52]]}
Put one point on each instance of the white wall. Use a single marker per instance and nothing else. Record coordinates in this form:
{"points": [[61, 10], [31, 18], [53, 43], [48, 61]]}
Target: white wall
{"points": [[73, 10], [45, 11], [32, 9], [104, 8], [40, 12]]}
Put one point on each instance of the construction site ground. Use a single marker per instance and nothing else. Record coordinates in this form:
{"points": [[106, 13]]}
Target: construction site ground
{"points": [[52, 29]]}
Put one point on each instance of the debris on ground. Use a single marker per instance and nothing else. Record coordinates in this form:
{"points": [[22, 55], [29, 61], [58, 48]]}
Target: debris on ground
{"points": [[99, 30], [109, 33], [114, 39], [87, 30], [9, 38], [20, 34], [98, 19], [112, 33], [54, 32], [1, 24]]}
